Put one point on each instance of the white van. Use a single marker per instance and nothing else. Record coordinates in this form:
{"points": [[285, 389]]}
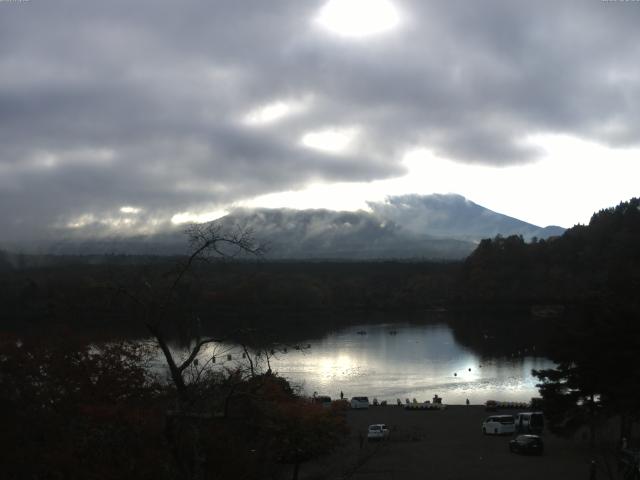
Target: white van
{"points": [[530, 422], [498, 425], [360, 402]]}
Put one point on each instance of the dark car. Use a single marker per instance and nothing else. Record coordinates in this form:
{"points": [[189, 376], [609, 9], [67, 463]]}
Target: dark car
{"points": [[527, 444]]}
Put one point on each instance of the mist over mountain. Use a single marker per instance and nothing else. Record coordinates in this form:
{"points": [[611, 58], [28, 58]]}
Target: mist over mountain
{"points": [[443, 227], [325, 234]]}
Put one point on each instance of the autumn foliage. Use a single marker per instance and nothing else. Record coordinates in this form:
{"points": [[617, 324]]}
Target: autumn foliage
{"points": [[71, 410]]}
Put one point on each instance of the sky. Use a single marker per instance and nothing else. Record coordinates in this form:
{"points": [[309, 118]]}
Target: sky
{"points": [[136, 116]]}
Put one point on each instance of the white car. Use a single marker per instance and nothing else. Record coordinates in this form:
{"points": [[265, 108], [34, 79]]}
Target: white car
{"points": [[499, 424], [377, 431]]}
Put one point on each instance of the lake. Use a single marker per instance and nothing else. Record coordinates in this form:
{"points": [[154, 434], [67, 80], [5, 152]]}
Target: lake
{"points": [[399, 360]]}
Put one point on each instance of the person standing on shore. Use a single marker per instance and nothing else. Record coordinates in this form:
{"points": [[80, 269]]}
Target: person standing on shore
{"points": [[341, 395], [467, 402]]}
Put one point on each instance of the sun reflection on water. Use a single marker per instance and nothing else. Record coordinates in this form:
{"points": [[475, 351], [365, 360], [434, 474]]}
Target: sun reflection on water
{"points": [[392, 362]]}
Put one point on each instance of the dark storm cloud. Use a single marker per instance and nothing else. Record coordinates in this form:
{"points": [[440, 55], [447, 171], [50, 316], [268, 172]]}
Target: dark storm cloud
{"points": [[106, 104]]}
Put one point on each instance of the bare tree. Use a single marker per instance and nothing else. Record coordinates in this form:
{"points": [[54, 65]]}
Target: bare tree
{"points": [[160, 305], [207, 241]]}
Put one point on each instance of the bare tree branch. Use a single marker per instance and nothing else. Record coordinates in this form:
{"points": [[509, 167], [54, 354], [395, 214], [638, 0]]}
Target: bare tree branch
{"points": [[206, 240], [194, 353]]}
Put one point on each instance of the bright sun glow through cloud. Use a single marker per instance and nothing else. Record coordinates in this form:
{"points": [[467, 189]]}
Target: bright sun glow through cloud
{"points": [[331, 140], [358, 18]]}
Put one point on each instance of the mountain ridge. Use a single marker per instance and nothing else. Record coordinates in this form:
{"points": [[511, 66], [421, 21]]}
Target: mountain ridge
{"points": [[434, 227]]}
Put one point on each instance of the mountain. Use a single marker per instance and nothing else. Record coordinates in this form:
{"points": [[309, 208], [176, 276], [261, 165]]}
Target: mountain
{"points": [[453, 216], [443, 227], [408, 226]]}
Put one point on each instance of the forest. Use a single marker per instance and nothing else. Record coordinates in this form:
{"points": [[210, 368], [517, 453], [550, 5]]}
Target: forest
{"points": [[593, 273]]}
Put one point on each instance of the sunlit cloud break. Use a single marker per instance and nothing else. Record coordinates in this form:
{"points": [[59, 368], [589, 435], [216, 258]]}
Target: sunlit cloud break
{"points": [[275, 111], [197, 217], [331, 140], [129, 209], [358, 18]]}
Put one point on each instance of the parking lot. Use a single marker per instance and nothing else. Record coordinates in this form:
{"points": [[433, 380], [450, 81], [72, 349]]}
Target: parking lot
{"points": [[446, 444]]}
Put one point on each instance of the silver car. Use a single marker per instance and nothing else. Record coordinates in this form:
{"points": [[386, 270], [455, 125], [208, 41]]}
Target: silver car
{"points": [[377, 431]]}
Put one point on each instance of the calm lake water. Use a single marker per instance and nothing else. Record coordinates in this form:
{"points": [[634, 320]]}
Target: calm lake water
{"points": [[393, 361]]}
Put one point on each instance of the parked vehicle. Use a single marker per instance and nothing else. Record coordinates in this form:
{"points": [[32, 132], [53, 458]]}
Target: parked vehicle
{"points": [[498, 425], [530, 422], [492, 405], [378, 431], [424, 406], [527, 444], [360, 402]]}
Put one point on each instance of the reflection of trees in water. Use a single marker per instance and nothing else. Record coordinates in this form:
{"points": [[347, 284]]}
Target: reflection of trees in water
{"points": [[296, 328], [495, 333], [510, 333]]}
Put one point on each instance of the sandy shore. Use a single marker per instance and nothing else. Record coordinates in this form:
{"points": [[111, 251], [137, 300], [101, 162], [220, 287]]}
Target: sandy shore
{"points": [[446, 444]]}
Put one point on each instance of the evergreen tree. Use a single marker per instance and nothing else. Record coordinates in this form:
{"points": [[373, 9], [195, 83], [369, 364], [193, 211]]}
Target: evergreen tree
{"points": [[596, 352]]}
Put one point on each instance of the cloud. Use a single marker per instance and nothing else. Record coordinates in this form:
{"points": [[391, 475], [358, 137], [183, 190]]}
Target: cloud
{"points": [[144, 103]]}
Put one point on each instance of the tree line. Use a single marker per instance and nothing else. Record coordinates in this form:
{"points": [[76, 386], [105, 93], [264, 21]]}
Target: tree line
{"points": [[594, 272]]}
